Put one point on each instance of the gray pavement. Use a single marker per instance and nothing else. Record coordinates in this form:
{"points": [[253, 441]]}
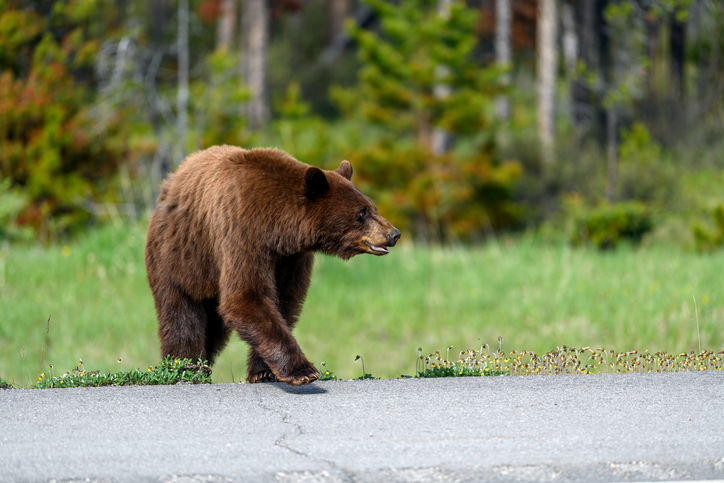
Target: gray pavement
{"points": [[543, 428]]}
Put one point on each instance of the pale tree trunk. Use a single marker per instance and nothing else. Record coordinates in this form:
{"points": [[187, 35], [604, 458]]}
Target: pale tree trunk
{"points": [[182, 97], [338, 13], [611, 153], [569, 39], [503, 52], [547, 66], [255, 32], [440, 138], [582, 99], [226, 25]]}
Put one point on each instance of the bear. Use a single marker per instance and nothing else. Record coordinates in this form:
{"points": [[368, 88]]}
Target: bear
{"points": [[230, 247]]}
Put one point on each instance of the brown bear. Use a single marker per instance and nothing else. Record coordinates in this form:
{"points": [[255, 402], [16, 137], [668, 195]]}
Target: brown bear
{"points": [[231, 245]]}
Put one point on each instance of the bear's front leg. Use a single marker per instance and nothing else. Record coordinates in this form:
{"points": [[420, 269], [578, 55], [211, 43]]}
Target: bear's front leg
{"points": [[248, 305]]}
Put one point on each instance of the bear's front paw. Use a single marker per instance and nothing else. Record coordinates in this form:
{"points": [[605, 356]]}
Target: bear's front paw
{"points": [[300, 376]]}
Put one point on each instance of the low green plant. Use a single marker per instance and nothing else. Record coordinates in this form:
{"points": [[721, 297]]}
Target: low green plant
{"points": [[170, 371], [327, 375], [364, 374], [608, 224], [5, 385]]}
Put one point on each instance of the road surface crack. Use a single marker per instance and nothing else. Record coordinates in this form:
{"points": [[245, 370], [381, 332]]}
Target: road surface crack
{"points": [[281, 442]]}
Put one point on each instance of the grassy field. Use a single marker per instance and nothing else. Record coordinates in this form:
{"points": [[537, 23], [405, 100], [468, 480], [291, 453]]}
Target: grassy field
{"points": [[535, 296]]}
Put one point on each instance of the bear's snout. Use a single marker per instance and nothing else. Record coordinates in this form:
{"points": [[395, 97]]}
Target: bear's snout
{"points": [[393, 236]]}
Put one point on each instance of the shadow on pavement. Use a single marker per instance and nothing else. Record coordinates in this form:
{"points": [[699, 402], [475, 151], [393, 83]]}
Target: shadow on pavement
{"points": [[301, 390]]}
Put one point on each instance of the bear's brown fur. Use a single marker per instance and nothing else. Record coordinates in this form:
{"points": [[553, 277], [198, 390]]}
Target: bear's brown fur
{"points": [[230, 247]]}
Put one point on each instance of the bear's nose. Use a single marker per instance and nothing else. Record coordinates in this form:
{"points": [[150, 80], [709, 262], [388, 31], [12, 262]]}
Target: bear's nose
{"points": [[393, 236]]}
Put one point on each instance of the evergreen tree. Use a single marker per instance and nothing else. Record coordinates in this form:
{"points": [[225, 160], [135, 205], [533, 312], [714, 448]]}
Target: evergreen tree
{"points": [[448, 195]]}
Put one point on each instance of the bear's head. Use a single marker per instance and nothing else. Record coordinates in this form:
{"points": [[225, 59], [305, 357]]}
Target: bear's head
{"points": [[346, 221]]}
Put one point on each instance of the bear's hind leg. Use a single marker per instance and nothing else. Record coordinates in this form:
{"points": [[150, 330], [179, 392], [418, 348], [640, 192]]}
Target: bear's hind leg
{"points": [[257, 369], [217, 333], [181, 325]]}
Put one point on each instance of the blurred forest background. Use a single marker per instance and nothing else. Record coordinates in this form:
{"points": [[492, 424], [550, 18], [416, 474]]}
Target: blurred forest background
{"points": [[597, 120], [496, 134]]}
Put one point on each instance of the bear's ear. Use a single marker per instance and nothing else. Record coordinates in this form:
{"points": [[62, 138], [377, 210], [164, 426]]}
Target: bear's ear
{"points": [[345, 169], [316, 182]]}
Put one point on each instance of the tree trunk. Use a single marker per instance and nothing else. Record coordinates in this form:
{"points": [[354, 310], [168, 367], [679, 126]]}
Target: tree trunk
{"points": [[587, 113], [611, 153], [159, 15], [182, 98], [440, 138], [503, 51], [338, 13], [547, 67], [255, 32], [569, 39], [677, 46], [226, 25]]}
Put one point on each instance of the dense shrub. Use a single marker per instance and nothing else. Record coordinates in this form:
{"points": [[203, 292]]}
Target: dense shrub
{"points": [[607, 224], [706, 239], [50, 145], [645, 173]]}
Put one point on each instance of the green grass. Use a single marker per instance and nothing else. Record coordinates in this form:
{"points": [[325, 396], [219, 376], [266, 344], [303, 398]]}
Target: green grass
{"points": [[535, 296]]}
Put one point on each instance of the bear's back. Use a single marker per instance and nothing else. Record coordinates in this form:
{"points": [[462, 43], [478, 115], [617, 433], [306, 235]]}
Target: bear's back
{"points": [[227, 190], [232, 170]]}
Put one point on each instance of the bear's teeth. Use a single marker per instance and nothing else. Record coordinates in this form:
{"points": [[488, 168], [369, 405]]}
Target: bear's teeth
{"points": [[379, 249]]}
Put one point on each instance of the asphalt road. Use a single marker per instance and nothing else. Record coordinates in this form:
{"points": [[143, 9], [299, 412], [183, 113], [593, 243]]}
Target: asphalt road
{"points": [[542, 428]]}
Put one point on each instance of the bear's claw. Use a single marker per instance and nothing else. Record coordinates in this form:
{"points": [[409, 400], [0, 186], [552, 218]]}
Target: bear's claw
{"points": [[263, 376]]}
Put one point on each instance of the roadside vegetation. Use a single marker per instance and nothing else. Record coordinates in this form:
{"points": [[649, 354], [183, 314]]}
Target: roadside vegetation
{"points": [[170, 371], [537, 295]]}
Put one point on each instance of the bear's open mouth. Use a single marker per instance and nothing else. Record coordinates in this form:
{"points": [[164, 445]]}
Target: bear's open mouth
{"points": [[377, 249]]}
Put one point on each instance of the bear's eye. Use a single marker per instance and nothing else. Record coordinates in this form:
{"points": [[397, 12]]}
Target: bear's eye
{"points": [[362, 214]]}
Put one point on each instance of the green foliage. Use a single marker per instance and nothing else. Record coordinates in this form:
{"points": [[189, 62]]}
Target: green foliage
{"points": [[49, 143], [302, 133], [216, 97], [606, 225], [418, 75], [12, 201], [292, 106], [625, 77], [170, 371], [418, 51], [706, 239], [645, 172], [677, 8]]}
